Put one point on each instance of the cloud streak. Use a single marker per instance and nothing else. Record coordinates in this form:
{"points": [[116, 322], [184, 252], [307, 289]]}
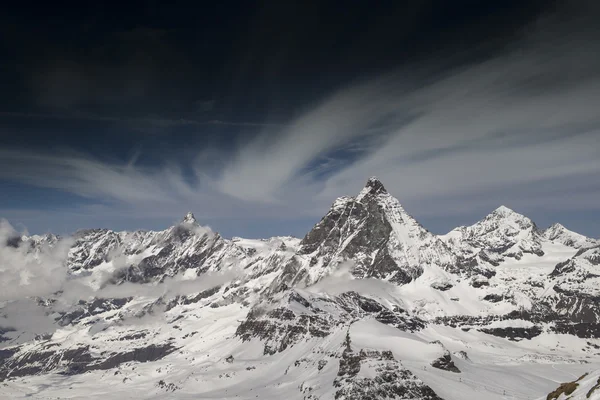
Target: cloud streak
{"points": [[521, 125], [155, 121]]}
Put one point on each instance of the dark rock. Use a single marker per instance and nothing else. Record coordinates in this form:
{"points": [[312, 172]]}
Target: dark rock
{"points": [[445, 363], [477, 283], [442, 286], [321, 364], [514, 333], [582, 329], [90, 308], [169, 387], [391, 380], [74, 360], [493, 298]]}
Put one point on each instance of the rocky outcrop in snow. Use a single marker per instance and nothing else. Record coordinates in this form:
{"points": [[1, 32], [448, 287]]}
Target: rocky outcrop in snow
{"points": [[377, 375]]}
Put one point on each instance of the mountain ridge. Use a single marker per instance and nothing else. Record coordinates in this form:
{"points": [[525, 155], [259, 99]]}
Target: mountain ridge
{"points": [[366, 286]]}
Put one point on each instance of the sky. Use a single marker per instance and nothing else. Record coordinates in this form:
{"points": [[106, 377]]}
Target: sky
{"points": [[255, 116]]}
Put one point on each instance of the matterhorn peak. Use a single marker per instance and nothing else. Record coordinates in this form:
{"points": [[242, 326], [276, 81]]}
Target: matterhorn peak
{"points": [[373, 187], [375, 184], [189, 218]]}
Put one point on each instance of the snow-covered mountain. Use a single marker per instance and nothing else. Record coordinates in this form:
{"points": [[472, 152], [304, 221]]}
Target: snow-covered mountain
{"points": [[369, 304], [559, 234], [502, 234], [374, 237]]}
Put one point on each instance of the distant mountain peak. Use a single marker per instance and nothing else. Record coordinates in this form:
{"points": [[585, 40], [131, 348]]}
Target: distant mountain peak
{"points": [[507, 215], [504, 211], [189, 218], [557, 226], [558, 233]]}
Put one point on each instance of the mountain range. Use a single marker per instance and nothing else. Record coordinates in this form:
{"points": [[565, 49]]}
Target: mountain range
{"points": [[368, 305]]}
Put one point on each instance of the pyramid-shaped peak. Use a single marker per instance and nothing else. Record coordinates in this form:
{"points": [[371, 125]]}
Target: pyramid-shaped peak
{"points": [[375, 186], [504, 211], [555, 230], [189, 218], [506, 216]]}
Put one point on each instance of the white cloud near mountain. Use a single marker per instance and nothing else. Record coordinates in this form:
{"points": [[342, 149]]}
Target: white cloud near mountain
{"points": [[25, 274]]}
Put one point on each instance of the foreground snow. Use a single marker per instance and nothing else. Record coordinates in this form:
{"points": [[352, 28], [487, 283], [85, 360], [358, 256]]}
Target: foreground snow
{"points": [[495, 368]]}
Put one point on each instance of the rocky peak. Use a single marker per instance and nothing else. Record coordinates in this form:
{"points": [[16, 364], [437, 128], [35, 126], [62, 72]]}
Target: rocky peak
{"points": [[375, 235], [189, 218], [373, 187]]}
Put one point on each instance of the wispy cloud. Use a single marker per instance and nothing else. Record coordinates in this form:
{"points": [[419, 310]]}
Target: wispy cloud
{"points": [[526, 117], [149, 120], [522, 125]]}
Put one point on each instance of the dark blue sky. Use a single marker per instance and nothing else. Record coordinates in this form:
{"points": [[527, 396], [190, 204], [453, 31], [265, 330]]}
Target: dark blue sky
{"points": [[256, 115]]}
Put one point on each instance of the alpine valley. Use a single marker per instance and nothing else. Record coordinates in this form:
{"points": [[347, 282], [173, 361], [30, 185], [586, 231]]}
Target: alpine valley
{"points": [[368, 305]]}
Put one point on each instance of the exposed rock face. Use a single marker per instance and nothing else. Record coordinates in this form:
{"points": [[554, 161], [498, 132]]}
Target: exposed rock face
{"points": [[93, 247], [281, 328], [376, 235], [587, 386], [462, 355], [86, 309], [152, 256], [383, 378], [445, 363], [576, 287], [514, 333], [23, 362], [299, 316]]}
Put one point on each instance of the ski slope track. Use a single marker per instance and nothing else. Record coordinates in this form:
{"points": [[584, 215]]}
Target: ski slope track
{"points": [[368, 305]]}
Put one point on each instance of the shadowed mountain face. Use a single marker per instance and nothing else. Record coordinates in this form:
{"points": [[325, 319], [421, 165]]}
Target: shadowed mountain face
{"points": [[373, 231], [159, 299]]}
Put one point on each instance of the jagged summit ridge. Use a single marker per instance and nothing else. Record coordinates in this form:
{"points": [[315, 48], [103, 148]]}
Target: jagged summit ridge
{"points": [[373, 187], [189, 218]]}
